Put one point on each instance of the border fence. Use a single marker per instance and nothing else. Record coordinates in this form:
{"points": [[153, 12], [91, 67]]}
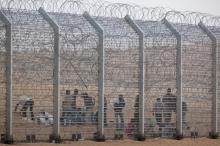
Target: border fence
{"points": [[75, 69]]}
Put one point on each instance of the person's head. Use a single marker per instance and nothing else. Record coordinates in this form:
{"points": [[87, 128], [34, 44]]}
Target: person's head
{"points": [[158, 99], [67, 92], [120, 97], [76, 91], [169, 90]]}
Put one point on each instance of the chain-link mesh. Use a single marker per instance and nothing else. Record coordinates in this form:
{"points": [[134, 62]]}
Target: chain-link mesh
{"points": [[32, 40], [34, 66], [121, 76], [3, 79]]}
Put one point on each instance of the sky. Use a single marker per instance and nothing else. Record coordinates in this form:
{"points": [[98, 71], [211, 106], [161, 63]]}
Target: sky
{"points": [[204, 6]]}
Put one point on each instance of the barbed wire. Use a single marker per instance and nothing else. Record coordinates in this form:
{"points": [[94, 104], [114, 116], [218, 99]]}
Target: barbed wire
{"points": [[33, 40], [107, 9]]}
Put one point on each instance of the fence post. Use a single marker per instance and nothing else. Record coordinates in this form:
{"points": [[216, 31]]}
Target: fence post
{"points": [[140, 33], [179, 129], [101, 70], [56, 76], [214, 128], [9, 71]]}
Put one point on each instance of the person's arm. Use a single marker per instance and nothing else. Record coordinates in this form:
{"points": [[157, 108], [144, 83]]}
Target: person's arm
{"points": [[123, 102], [16, 106], [19, 103], [93, 101]]}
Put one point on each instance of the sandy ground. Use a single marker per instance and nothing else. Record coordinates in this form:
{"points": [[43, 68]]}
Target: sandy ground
{"points": [[151, 142]]}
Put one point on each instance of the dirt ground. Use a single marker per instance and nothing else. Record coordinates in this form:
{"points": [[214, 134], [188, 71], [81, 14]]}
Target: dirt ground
{"points": [[150, 142]]}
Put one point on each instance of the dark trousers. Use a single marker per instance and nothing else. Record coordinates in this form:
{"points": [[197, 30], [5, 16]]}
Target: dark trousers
{"points": [[158, 117], [119, 117]]}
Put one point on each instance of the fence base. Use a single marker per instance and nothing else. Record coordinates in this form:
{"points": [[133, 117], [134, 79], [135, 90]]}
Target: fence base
{"points": [[54, 138], [140, 137], [6, 140], [213, 135], [178, 136], [99, 137]]}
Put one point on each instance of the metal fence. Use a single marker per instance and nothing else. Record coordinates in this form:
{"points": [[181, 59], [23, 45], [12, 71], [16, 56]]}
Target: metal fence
{"points": [[74, 68]]}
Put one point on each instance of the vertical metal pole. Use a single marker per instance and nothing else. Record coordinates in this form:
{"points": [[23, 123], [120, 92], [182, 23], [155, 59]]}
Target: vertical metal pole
{"points": [[140, 33], [56, 72], [215, 77], [179, 130], [101, 70], [9, 71]]}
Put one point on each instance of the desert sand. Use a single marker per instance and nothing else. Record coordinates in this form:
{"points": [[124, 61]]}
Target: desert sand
{"points": [[150, 142]]}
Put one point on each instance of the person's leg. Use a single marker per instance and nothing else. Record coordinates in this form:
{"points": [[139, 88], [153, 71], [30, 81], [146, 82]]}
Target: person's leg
{"points": [[24, 110], [116, 119], [79, 117], [83, 117], [121, 125], [105, 117], [31, 112], [157, 118], [184, 119], [122, 119], [169, 117]]}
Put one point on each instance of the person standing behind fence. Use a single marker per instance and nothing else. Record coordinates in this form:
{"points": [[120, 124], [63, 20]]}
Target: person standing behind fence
{"points": [[157, 111], [70, 100], [69, 107], [184, 113], [89, 103], [118, 107], [169, 106], [67, 103], [26, 104], [136, 111]]}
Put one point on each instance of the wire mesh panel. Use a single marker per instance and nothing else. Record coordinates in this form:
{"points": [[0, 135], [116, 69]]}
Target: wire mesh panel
{"points": [[215, 30], [197, 80], [121, 77], [34, 72], [160, 75], [3, 80], [79, 76], [217, 34], [32, 75]]}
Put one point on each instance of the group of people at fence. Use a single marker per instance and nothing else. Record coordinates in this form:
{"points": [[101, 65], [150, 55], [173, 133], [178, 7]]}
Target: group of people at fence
{"points": [[73, 114], [163, 110], [84, 112]]}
